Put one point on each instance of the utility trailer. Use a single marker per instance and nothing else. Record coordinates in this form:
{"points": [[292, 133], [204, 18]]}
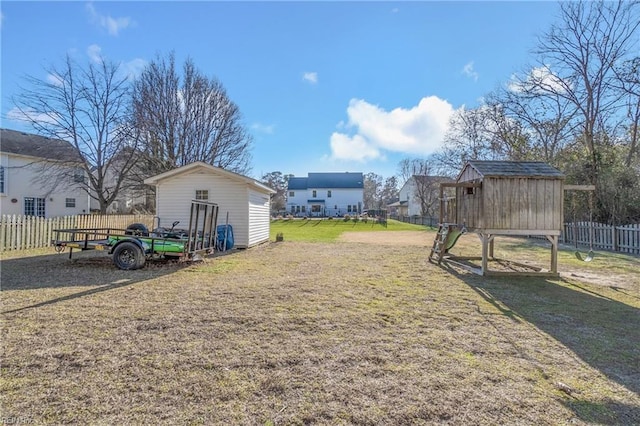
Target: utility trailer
{"points": [[132, 247]]}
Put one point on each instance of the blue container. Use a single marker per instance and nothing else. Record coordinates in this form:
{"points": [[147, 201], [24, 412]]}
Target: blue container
{"points": [[225, 233]]}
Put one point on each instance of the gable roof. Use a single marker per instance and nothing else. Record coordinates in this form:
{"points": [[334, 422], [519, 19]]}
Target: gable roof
{"points": [[328, 180], [155, 180], [514, 169], [30, 145], [427, 180]]}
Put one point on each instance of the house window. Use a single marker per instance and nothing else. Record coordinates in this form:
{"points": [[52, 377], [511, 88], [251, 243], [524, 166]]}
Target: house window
{"points": [[202, 194], [78, 175], [292, 194], [315, 208], [349, 208], [471, 190], [329, 194], [69, 202], [297, 209], [314, 194], [1, 179], [293, 209], [304, 209], [34, 206]]}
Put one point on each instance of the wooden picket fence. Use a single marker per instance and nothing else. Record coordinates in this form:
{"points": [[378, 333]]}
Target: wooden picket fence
{"points": [[19, 232], [624, 239]]}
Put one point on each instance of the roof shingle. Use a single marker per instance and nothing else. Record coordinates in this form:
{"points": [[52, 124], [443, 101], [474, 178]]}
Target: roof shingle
{"points": [[19, 143]]}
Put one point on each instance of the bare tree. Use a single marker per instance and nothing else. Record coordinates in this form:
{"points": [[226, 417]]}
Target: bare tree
{"points": [[469, 137], [278, 182], [389, 191], [629, 82], [543, 125], [88, 107], [425, 181], [372, 191], [577, 60], [188, 118]]}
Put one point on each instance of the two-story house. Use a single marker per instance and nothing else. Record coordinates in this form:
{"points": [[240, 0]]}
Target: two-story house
{"points": [[419, 196], [325, 194], [39, 177]]}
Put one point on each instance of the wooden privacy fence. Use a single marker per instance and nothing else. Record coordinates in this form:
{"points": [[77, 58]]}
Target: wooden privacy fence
{"points": [[27, 232]]}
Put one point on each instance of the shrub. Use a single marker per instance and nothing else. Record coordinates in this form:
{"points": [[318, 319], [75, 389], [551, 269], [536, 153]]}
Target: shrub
{"points": [[347, 217]]}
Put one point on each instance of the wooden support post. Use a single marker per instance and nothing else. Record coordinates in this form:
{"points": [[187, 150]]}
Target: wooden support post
{"points": [[554, 253], [491, 248], [486, 239]]}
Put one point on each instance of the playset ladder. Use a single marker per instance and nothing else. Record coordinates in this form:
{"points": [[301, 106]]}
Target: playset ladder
{"points": [[439, 244]]}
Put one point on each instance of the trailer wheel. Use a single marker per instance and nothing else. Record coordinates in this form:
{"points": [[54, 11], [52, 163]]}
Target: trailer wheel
{"points": [[128, 256]]}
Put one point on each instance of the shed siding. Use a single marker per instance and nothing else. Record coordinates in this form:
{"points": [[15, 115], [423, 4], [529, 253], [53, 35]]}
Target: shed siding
{"points": [[174, 201], [469, 174], [259, 220], [519, 204]]}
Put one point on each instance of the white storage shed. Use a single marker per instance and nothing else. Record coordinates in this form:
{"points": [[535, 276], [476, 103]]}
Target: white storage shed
{"points": [[246, 200]]}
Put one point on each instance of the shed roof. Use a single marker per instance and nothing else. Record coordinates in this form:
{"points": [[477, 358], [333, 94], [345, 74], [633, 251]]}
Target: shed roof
{"points": [[27, 144], [154, 180], [328, 180], [515, 169]]}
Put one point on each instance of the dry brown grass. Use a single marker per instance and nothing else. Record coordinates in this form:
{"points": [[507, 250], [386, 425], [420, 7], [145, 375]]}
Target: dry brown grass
{"points": [[313, 333]]}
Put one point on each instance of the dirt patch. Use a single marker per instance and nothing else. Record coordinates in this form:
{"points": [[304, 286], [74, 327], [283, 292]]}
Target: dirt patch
{"points": [[395, 238]]}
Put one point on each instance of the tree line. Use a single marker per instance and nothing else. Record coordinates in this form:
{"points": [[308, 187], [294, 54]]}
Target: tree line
{"points": [[126, 129]]}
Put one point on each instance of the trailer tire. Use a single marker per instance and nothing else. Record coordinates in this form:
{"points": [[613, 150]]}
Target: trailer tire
{"points": [[128, 256]]}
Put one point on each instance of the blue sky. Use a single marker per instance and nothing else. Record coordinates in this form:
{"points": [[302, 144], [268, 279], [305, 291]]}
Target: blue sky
{"points": [[322, 86]]}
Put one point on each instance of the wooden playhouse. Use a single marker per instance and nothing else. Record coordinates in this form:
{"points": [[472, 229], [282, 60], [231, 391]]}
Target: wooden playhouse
{"points": [[501, 198]]}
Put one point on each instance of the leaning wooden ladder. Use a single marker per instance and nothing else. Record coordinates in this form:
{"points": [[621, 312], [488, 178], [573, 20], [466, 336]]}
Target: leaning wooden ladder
{"points": [[439, 247]]}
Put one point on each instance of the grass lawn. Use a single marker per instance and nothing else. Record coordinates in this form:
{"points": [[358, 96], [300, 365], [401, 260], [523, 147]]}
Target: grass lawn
{"points": [[320, 332], [316, 230]]}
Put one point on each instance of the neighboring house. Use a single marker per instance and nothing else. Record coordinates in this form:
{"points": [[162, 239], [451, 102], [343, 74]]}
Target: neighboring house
{"points": [[398, 208], [38, 176], [245, 200], [133, 195], [419, 196], [325, 194]]}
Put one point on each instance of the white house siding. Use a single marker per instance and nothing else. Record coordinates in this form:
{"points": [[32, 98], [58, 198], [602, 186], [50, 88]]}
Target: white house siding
{"points": [[259, 222], [19, 174], [408, 193], [338, 204], [174, 198]]}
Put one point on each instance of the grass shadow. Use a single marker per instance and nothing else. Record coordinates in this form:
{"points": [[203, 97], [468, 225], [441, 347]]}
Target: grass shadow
{"points": [[56, 271], [601, 331]]}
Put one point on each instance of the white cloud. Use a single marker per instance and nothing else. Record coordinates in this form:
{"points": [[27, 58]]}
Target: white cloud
{"points": [[55, 79], [470, 72], [311, 77], [112, 25], [17, 114], [263, 128], [418, 130], [539, 79], [95, 53], [133, 68], [344, 147]]}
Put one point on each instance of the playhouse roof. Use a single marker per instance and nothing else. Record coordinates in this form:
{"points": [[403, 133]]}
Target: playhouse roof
{"points": [[514, 169]]}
